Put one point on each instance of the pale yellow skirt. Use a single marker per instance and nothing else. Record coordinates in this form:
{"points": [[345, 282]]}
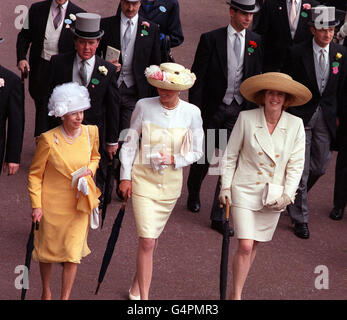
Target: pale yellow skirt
{"points": [[257, 225], [151, 215]]}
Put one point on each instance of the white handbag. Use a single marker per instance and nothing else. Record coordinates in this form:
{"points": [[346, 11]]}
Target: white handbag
{"points": [[271, 193]]}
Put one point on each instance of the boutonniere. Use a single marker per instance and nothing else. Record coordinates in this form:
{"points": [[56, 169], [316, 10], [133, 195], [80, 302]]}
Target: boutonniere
{"points": [[252, 46], [144, 31], [103, 70], [336, 64], [305, 7], [2, 82], [94, 82]]}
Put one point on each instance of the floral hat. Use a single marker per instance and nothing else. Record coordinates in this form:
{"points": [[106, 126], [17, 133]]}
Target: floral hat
{"points": [[67, 98], [170, 76]]}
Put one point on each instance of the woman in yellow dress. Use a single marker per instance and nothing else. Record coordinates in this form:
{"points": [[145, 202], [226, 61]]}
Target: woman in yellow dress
{"points": [[62, 209], [171, 138]]}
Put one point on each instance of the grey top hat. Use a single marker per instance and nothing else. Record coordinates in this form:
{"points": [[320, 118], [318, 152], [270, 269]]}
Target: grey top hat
{"points": [[87, 26], [323, 17], [250, 6]]}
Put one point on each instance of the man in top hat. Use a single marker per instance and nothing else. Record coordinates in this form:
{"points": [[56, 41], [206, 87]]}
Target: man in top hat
{"points": [[318, 64], [283, 23], [223, 59], [47, 32], [139, 44], [100, 78], [12, 114]]}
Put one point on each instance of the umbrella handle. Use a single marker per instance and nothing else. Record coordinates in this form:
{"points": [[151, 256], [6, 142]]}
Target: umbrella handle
{"points": [[227, 211], [124, 202]]}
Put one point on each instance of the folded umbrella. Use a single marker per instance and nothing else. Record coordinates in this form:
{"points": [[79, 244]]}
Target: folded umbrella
{"points": [[111, 243], [107, 192], [30, 248], [223, 279]]}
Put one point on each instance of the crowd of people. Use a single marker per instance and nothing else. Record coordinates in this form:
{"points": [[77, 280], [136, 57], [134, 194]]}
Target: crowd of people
{"points": [[273, 90]]}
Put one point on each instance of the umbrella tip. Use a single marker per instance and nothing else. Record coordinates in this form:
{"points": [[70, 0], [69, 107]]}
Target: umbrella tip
{"points": [[97, 289]]}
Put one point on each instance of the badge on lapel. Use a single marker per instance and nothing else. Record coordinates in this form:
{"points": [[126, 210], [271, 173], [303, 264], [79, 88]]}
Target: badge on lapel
{"points": [[305, 6], [2, 82], [336, 64], [252, 46], [144, 31]]}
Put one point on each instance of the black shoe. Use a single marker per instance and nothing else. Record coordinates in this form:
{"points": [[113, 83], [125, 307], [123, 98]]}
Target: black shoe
{"points": [[219, 226], [336, 214], [301, 230], [193, 204]]}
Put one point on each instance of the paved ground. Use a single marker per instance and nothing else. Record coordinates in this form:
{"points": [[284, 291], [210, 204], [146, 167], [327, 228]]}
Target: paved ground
{"points": [[187, 259]]}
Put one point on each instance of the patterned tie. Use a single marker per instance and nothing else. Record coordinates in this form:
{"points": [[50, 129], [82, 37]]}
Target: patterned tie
{"points": [[237, 47], [292, 13], [127, 35], [58, 17], [322, 61], [83, 73]]}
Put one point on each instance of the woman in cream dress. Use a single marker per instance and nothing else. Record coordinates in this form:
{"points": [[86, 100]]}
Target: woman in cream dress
{"points": [[64, 217], [263, 164], [171, 138]]}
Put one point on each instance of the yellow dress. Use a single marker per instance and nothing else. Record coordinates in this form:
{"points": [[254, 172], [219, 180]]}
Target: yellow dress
{"points": [[62, 235]]}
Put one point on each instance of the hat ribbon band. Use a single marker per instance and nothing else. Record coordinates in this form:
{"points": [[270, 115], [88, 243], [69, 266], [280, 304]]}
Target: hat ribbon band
{"points": [[87, 34]]}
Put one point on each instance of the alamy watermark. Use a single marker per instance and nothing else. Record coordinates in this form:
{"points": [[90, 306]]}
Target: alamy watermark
{"points": [[322, 280], [21, 281]]}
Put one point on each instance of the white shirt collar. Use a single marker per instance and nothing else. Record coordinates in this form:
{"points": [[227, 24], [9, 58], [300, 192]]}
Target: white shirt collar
{"points": [[54, 5], [89, 62], [124, 18], [317, 48], [232, 31]]}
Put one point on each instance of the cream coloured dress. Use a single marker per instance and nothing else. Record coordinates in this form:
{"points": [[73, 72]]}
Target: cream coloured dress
{"points": [[156, 188]]}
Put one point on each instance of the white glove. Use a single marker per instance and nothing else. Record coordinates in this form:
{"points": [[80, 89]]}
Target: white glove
{"points": [[82, 185], [155, 161], [280, 203], [224, 196]]}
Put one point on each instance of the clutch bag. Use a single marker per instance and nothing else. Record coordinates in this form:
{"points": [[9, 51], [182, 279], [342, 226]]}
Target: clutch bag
{"points": [[271, 193]]}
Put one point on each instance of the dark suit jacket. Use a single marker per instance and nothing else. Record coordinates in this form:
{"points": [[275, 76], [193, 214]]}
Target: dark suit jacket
{"points": [[35, 34], [300, 65], [146, 50], [274, 27], [104, 96], [211, 69], [12, 112]]}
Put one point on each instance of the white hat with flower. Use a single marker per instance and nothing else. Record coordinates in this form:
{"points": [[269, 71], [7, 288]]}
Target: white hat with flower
{"points": [[170, 76], [68, 98]]}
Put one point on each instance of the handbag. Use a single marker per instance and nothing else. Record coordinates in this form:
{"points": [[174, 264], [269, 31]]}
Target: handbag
{"points": [[271, 193], [94, 216]]}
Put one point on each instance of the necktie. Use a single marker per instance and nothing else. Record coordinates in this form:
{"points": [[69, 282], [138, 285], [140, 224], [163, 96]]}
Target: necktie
{"points": [[58, 17], [237, 46], [322, 61], [83, 73], [127, 34], [292, 13]]}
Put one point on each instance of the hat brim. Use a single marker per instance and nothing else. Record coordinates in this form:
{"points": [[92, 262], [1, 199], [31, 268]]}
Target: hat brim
{"points": [[169, 85], [87, 35], [299, 93]]}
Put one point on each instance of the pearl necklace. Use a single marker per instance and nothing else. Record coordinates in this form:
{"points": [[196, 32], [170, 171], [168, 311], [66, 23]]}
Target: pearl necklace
{"points": [[68, 138]]}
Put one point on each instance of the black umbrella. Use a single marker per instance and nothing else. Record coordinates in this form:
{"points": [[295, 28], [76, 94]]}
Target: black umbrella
{"points": [[24, 74], [107, 193], [30, 247], [111, 243], [223, 279]]}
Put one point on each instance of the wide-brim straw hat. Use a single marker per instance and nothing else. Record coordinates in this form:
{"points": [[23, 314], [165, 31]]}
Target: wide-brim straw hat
{"points": [[275, 81], [170, 76]]}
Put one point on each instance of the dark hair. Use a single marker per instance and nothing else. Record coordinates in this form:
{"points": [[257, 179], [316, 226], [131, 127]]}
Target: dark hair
{"points": [[259, 98]]}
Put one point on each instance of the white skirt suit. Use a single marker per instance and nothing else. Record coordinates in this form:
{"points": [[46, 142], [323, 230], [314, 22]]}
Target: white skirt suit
{"points": [[156, 188], [254, 157]]}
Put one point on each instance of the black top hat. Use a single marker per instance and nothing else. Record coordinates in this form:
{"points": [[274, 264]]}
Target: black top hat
{"points": [[87, 26]]}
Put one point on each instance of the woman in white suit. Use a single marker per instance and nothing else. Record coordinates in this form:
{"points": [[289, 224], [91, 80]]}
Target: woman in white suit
{"points": [[263, 164]]}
